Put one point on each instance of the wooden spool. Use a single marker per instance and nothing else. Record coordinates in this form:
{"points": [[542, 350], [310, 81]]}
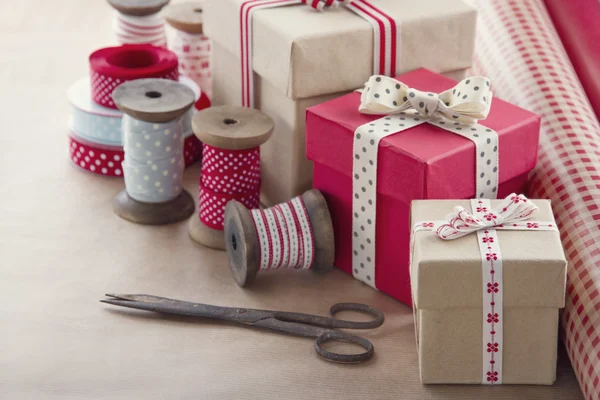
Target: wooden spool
{"points": [[241, 239], [138, 8], [231, 128], [185, 17], [158, 101]]}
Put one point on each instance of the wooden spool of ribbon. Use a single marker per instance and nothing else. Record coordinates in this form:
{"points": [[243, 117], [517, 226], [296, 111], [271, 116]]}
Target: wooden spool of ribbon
{"points": [[297, 234], [138, 8], [186, 17], [192, 47], [230, 166], [139, 21], [153, 162]]}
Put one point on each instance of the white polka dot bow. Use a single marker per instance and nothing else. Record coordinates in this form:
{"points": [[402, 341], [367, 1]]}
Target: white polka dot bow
{"points": [[509, 214], [467, 102]]}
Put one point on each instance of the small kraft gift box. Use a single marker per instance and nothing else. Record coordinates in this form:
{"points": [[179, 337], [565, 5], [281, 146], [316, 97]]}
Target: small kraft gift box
{"points": [[414, 137], [283, 56], [488, 280]]}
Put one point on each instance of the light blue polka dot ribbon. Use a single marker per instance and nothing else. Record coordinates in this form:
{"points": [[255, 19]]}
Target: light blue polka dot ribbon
{"points": [[153, 164], [102, 125]]}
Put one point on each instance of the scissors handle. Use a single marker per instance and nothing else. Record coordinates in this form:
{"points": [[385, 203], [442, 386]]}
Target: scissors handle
{"points": [[333, 322], [337, 336]]}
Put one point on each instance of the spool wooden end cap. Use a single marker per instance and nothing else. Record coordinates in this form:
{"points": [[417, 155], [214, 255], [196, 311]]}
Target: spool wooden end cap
{"points": [[169, 212], [153, 99], [205, 235], [242, 246], [138, 8], [186, 17], [232, 128]]}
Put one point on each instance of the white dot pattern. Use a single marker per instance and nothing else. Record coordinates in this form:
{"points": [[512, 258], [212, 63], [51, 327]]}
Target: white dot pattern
{"points": [[144, 165], [103, 86], [411, 108], [227, 175]]}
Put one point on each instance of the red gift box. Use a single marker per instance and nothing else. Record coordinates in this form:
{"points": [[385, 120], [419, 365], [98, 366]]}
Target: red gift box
{"points": [[423, 162]]}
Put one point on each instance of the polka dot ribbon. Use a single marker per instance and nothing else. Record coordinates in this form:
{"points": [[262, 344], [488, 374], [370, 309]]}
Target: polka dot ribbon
{"points": [[386, 35], [153, 164], [143, 29], [103, 86], [106, 160], [455, 110], [512, 214], [227, 175], [285, 236]]}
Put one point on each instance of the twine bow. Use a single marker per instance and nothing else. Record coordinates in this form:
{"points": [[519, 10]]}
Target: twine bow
{"points": [[515, 208], [470, 100]]}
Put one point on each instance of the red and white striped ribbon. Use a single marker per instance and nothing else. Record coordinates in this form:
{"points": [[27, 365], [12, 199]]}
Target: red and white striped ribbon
{"points": [[135, 30], [285, 236], [385, 36]]}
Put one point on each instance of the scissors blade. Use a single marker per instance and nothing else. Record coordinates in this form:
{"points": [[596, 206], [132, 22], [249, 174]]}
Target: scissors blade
{"points": [[179, 307]]}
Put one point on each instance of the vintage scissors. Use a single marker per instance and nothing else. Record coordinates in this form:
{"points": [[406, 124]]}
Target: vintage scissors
{"points": [[321, 328]]}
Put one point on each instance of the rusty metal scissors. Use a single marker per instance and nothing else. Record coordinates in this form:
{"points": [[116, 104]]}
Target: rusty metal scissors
{"points": [[306, 325]]}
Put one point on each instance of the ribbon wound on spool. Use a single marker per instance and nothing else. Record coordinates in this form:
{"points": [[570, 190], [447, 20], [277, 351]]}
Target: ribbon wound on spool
{"points": [[153, 162], [140, 29], [194, 52], [111, 66], [285, 236], [227, 175]]}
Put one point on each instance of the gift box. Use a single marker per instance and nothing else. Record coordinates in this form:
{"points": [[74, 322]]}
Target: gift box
{"points": [[298, 58], [422, 162], [486, 303]]}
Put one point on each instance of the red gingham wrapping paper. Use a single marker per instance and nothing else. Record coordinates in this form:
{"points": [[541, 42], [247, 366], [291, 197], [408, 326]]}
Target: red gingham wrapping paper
{"points": [[520, 51]]}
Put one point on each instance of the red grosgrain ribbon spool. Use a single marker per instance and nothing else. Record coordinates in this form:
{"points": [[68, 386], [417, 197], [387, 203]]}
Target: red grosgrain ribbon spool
{"points": [[111, 66], [230, 166], [297, 234]]}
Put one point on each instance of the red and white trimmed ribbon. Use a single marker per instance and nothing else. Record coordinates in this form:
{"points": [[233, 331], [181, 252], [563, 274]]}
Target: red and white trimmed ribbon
{"points": [[511, 214], [455, 110], [285, 236], [136, 30], [385, 36]]}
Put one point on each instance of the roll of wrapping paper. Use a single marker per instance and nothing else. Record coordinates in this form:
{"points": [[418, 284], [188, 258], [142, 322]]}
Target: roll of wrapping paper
{"points": [[519, 49], [111, 66], [106, 160], [102, 125], [577, 23]]}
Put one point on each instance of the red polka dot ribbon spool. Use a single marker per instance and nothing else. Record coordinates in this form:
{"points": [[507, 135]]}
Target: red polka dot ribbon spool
{"points": [[230, 166], [106, 160], [111, 66], [297, 234]]}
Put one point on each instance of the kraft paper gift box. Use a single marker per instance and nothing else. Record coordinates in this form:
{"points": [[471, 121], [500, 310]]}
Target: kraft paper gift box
{"points": [[302, 57], [450, 287], [423, 162]]}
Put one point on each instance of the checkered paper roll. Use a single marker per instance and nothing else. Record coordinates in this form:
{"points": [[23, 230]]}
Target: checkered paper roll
{"points": [[519, 49]]}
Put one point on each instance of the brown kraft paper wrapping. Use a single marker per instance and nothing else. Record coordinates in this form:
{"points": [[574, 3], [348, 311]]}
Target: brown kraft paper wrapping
{"points": [[446, 282], [302, 58]]}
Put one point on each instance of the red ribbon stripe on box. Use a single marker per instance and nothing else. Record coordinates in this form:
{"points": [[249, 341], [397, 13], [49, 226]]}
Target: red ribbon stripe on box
{"points": [[385, 36]]}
